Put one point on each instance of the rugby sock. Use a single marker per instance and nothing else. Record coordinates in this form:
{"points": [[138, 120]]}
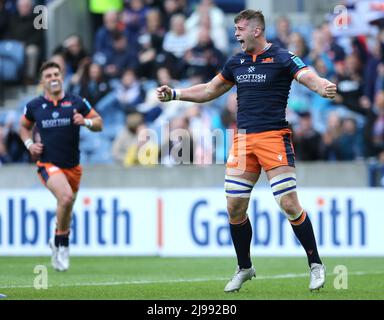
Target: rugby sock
{"points": [[302, 227], [62, 238], [241, 236]]}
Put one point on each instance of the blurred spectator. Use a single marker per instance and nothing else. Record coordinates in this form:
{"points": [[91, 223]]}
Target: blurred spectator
{"points": [[20, 27], [104, 35], [283, 31], [90, 83], [331, 136], [298, 45], [120, 57], [212, 18], [334, 51], [370, 76], [152, 103], [125, 145], [98, 8], [171, 8], [204, 59], [349, 78], [320, 107], [130, 93], [307, 140], [348, 147], [4, 157], [177, 146], [378, 126], [73, 52], [200, 121], [151, 45], [134, 17], [176, 42], [3, 19]]}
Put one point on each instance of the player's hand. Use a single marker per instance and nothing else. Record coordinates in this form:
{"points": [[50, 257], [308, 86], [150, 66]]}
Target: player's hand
{"points": [[164, 93], [78, 118], [329, 89], [36, 149]]}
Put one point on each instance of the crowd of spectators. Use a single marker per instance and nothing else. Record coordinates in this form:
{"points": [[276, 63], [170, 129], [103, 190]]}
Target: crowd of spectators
{"points": [[147, 43]]}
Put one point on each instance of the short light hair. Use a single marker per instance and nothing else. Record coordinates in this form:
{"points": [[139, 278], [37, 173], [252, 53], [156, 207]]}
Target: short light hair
{"points": [[249, 14]]}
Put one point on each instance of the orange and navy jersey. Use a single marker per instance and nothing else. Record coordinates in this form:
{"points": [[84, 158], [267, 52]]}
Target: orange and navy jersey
{"points": [[263, 82], [54, 122]]}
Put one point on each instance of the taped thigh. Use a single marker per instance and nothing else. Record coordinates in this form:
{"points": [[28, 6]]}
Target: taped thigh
{"points": [[238, 187], [282, 185]]}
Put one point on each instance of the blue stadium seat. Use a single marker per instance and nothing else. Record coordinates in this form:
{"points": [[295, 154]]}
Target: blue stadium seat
{"points": [[11, 60]]}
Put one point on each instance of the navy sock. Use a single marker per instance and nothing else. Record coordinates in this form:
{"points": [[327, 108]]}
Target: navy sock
{"points": [[62, 240], [241, 237], [302, 227]]}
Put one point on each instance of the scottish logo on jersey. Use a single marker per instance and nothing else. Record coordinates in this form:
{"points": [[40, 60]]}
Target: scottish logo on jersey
{"points": [[55, 115], [251, 77]]}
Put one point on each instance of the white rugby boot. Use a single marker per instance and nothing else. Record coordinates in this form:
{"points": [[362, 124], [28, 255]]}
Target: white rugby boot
{"points": [[60, 257], [317, 276], [240, 276]]}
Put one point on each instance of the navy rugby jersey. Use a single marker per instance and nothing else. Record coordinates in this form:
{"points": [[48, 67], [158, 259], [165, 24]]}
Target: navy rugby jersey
{"points": [[59, 135], [263, 82]]}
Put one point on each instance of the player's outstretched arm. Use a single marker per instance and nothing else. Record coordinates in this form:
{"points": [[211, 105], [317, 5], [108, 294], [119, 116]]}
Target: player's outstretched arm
{"points": [[199, 93], [322, 86]]}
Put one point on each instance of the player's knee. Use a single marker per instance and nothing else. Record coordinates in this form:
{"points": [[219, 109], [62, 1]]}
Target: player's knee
{"points": [[236, 187], [237, 209], [289, 205], [66, 199]]}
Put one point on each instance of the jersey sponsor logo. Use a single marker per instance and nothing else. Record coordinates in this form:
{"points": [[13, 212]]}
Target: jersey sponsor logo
{"points": [[65, 104], [254, 77], [251, 69], [55, 115], [51, 123], [280, 157], [267, 60]]}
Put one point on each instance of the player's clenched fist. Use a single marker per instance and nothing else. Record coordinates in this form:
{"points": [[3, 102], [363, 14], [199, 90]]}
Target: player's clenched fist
{"points": [[164, 93], [328, 89], [78, 118]]}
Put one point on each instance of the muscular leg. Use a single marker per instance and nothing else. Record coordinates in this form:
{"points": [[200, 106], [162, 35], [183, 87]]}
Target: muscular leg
{"points": [[297, 217], [237, 205], [59, 186]]}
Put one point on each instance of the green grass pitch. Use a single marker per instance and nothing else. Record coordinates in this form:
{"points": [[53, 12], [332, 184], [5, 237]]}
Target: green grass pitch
{"points": [[155, 278]]}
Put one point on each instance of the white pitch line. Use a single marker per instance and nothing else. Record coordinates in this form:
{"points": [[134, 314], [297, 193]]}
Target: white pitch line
{"points": [[118, 283]]}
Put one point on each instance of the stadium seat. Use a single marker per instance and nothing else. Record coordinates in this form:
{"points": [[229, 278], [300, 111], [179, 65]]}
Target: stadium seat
{"points": [[11, 61]]}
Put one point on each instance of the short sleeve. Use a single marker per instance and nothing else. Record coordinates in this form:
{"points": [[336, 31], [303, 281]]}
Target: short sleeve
{"points": [[226, 73], [294, 64], [85, 107], [28, 114]]}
